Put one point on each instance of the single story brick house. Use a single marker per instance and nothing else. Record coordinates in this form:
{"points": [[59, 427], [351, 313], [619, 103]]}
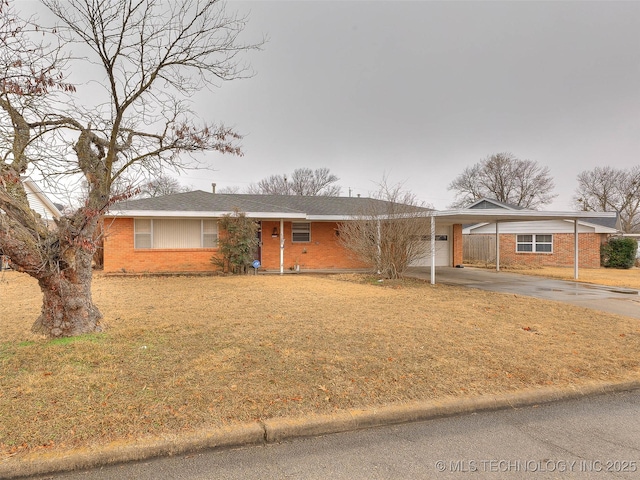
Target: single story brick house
{"points": [[536, 243], [178, 233]]}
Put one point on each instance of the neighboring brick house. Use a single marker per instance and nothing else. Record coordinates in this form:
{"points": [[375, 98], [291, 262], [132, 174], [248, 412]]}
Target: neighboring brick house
{"points": [[537, 243]]}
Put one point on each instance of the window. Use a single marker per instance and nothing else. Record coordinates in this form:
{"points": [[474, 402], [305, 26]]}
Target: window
{"points": [[300, 232], [142, 233], [175, 233], [209, 233], [439, 238], [534, 243]]}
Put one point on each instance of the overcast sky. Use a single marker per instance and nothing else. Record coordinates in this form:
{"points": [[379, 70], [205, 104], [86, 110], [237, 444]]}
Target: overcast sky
{"points": [[419, 90]]}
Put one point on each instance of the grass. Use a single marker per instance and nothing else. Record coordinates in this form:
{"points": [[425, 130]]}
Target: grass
{"points": [[184, 353]]}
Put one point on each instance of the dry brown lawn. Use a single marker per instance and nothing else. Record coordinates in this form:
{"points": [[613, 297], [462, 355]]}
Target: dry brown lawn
{"points": [[186, 353], [602, 276]]}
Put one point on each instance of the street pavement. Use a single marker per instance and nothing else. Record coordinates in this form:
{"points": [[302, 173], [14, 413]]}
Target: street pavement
{"points": [[592, 437]]}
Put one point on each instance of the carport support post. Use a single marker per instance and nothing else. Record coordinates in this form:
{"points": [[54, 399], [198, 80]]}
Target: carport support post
{"points": [[379, 246], [281, 246], [575, 248], [433, 250], [497, 246]]}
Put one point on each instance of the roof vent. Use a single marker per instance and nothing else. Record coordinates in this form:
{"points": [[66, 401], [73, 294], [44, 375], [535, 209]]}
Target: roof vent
{"points": [[213, 187]]}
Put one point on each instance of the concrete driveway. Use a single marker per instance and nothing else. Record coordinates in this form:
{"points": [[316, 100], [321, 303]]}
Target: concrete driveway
{"points": [[622, 301]]}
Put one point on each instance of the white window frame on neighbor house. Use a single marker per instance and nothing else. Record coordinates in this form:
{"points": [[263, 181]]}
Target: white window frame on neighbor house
{"points": [[300, 229], [537, 243], [158, 234]]}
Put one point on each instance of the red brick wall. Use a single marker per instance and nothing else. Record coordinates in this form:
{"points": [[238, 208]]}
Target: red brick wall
{"points": [[119, 254], [322, 252], [457, 245], [563, 251]]}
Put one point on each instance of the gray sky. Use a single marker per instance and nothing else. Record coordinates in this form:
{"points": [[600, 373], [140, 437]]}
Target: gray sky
{"points": [[419, 90]]}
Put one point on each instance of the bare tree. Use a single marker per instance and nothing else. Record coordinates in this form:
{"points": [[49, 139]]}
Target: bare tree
{"points": [[150, 56], [505, 178], [303, 181], [607, 189], [233, 189], [162, 185], [390, 233]]}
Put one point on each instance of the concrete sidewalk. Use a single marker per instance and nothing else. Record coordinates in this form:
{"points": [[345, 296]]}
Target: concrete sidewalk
{"points": [[621, 301]]}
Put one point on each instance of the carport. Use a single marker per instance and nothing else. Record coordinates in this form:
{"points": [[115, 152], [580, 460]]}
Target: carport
{"points": [[498, 216]]}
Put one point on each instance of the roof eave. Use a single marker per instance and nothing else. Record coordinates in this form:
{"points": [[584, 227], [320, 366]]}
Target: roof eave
{"points": [[200, 214], [492, 215]]}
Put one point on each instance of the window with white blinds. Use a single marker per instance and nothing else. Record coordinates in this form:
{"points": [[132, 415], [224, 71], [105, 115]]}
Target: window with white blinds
{"points": [[175, 233], [534, 243], [300, 232]]}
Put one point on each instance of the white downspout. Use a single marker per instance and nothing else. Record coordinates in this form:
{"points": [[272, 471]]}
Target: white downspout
{"points": [[497, 247], [433, 250], [575, 249], [281, 246], [378, 241]]}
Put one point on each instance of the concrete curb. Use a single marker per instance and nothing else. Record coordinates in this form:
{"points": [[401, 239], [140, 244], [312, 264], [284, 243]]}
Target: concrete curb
{"points": [[280, 429]]}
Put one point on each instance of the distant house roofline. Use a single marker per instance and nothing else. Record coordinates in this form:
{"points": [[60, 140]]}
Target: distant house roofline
{"points": [[37, 191]]}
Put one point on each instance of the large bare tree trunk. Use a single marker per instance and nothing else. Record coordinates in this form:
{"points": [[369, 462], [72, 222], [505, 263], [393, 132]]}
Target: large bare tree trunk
{"points": [[67, 305]]}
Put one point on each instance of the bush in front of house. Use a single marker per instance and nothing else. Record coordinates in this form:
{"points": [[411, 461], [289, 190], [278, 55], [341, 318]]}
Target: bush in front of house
{"points": [[619, 252], [237, 243]]}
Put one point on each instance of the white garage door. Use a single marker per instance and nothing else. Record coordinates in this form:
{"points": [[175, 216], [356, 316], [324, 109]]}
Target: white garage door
{"points": [[443, 249]]}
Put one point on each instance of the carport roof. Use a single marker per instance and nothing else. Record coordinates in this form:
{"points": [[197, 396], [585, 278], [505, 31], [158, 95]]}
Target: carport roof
{"points": [[472, 216]]}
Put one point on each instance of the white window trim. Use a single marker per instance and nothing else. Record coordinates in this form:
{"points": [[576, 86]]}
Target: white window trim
{"points": [[202, 234], [534, 242], [292, 229]]}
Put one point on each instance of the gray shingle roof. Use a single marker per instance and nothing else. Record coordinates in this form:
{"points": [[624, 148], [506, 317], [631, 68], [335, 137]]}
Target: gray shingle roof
{"points": [[603, 221], [484, 203], [200, 201]]}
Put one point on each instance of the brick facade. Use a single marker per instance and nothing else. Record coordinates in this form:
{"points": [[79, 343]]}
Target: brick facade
{"points": [[563, 251], [457, 245], [119, 254], [322, 252]]}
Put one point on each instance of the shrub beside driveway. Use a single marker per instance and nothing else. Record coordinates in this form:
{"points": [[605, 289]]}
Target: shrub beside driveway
{"points": [[184, 353]]}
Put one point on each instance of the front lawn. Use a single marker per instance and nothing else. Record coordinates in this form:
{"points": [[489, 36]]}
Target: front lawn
{"points": [[185, 353]]}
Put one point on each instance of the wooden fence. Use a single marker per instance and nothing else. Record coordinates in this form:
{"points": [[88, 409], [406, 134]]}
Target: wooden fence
{"points": [[479, 249]]}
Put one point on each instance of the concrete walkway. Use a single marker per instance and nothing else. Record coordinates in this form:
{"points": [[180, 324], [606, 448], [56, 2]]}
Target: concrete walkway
{"points": [[621, 301]]}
